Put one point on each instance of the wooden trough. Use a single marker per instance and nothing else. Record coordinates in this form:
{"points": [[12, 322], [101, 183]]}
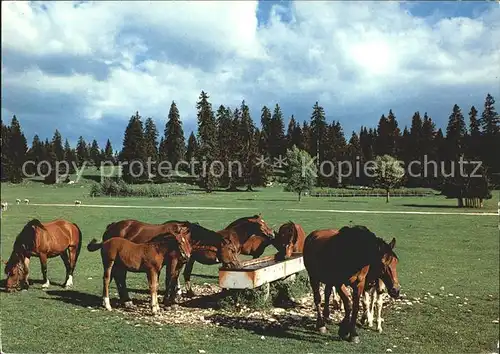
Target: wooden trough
{"points": [[260, 271]]}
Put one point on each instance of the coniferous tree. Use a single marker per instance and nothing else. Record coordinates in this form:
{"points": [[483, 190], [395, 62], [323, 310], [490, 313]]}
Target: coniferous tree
{"points": [[192, 147], [6, 165], [51, 173], [355, 157], [17, 148], [36, 154], [69, 156], [490, 121], [474, 138], [151, 146], [95, 152], [277, 141], [455, 134], [207, 143], [490, 144], [249, 153], [265, 133], [57, 146], [133, 150], [415, 142], [175, 144], [81, 151], [292, 125], [108, 152], [226, 137], [430, 149], [306, 136], [319, 132]]}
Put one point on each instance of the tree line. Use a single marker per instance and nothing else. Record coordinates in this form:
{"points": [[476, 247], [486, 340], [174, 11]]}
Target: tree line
{"points": [[230, 134]]}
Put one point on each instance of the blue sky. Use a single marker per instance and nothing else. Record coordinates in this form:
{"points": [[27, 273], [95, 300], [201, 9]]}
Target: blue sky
{"points": [[85, 69]]}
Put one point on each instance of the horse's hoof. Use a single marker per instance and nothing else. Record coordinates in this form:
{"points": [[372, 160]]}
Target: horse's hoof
{"points": [[190, 293], [354, 339], [45, 285], [128, 304], [108, 308], [379, 330], [322, 330]]}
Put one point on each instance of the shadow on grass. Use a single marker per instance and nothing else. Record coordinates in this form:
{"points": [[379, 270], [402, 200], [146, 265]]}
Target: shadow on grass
{"points": [[266, 200], [348, 201], [77, 298], [291, 327], [432, 206]]}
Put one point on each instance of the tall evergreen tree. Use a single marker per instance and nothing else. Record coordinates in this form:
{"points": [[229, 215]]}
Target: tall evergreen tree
{"points": [[292, 125], [6, 165], [319, 132], [265, 133], [415, 141], [17, 148], [175, 144], [355, 157], [35, 154], [490, 144], [108, 152], [81, 151], [57, 146], [277, 141], [490, 121], [69, 156], [133, 150], [455, 134], [249, 152], [207, 142], [473, 142], [95, 154], [151, 146], [430, 149], [226, 137], [192, 147]]}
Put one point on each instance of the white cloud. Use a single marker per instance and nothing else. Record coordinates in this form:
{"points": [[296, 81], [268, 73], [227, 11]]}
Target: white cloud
{"points": [[156, 52]]}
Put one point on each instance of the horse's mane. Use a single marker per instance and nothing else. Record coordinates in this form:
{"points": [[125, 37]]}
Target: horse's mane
{"points": [[163, 239], [203, 235], [361, 234], [237, 221], [24, 240]]}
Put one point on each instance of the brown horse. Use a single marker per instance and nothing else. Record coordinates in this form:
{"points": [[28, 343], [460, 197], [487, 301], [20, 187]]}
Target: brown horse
{"points": [[209, 246], [43, 240], [120, 255], [289, 239], [349, 256], [250, 235]]}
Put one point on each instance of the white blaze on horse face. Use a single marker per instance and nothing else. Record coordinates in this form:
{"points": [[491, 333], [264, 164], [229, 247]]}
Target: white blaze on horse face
{"points": [[107, 305]]}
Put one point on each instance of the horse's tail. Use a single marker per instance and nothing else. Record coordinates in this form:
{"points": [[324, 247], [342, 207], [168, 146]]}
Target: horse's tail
{"points": [[94, 245], [80, 240]]}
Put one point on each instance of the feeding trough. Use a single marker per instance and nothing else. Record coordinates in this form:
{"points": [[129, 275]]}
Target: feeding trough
{"points": [[256, 272]]}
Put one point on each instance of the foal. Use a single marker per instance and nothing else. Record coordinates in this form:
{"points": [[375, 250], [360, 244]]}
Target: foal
{"points": [[120, 255]]}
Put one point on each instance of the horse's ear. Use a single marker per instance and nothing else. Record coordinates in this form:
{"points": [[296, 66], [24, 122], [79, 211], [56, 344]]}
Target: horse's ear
{"points": [[393, 243]]}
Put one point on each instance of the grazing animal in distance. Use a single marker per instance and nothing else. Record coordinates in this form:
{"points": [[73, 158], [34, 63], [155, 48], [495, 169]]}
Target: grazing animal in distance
{"points": [[78, 202], [351, 256], [120, 256], [5, 206], [26, 201], [43, 240], [18, 201], [289, 239]]}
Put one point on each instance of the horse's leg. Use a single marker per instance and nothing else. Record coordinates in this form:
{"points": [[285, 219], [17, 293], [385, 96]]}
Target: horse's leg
{"points": [[106, 279], [326, 308], [336, 301], [73, 256], [43, 264], [371, 311], [187, 277], [320, 323], [366, 307], [343, 326], [26, 271], [65, 257], [153, 290], [121, 283], [356, 294], [380, 303]]}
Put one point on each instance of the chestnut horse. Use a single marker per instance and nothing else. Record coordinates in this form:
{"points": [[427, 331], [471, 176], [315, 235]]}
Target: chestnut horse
{"points": [[210, 247], [289, 239], [250, 235], [120, 255], [350, 256], [43, 240]]}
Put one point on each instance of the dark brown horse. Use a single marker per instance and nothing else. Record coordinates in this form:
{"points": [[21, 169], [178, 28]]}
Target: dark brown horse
{"points": [[349, 256], [289, 239], [120, 255], [250, 235], [43, 240], [210, 247]]}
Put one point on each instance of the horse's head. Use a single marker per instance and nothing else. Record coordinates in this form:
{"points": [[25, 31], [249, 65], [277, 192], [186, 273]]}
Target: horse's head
{"points": [[389, 274], [15, 272], [286, 237], [182, 234], [227, 253]]}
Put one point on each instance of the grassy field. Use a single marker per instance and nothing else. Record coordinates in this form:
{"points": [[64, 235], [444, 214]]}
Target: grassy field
{"points": [[457, 252]]}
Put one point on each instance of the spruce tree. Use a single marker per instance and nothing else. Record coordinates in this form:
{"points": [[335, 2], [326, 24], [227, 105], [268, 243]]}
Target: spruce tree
{"points": [[192, 147], [265, 132], [57, 146], [292, 125], [174, 137], [95, 154], [306, 136], [225, 139], [133, 150], [69, 157], [319, 133], [151, 146], [355, 157], [6, 164], [108, 152], [415, 142], [207, 140], [430, 149], [490, 144], [455, 134], [17, 148], [248, 152], [277, 142], [81, 151], [490, 121], [35, 154], [474, 138]]}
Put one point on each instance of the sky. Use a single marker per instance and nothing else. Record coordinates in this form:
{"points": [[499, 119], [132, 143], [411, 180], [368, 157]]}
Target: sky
{"points": [[86, 67]]}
